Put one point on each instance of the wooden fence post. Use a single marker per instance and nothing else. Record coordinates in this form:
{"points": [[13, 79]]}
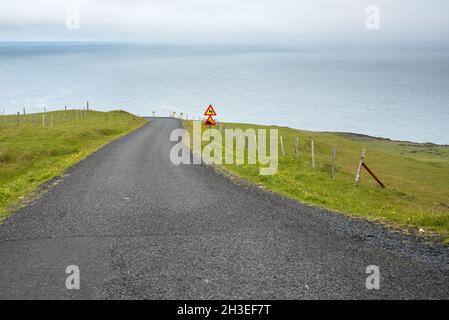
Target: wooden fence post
{"points": [[359, 169], [334, 152], [282, 147], [296, 148], [373, 175], [18, 118], [313, 154]]}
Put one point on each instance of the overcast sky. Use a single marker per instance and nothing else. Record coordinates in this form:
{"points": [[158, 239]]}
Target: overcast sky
{"points": [[227, 21]]}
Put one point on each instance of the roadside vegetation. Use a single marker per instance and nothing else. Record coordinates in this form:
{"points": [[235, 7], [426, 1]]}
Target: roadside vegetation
{"points": [[416, 177], [36, 148]]}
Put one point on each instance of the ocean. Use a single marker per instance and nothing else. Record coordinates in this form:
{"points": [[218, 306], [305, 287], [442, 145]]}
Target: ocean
{"points": [[397, 94]]}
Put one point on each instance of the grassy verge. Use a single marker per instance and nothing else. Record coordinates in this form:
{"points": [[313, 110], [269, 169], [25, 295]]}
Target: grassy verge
{"points": [[31, 153], [416, 177]]}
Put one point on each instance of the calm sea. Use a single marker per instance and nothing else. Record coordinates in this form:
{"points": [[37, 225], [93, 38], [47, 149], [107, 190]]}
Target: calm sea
{"points": [[396, 94]]}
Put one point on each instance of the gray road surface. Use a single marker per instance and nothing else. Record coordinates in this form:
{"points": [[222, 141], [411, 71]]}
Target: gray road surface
{"points": [[139, 227]]}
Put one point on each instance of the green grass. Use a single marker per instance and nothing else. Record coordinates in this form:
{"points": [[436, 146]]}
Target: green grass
{"points": [[416, 178], [33, 154]]}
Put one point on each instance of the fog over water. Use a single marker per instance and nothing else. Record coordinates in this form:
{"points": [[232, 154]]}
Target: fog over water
{"points": [[396, 94]]}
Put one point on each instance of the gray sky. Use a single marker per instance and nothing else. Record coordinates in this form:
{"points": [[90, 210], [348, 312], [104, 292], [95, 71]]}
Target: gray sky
{"points": [[228, 21]]}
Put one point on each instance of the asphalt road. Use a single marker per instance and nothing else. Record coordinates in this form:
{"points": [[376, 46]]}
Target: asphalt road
{"points": [[139, 227]]}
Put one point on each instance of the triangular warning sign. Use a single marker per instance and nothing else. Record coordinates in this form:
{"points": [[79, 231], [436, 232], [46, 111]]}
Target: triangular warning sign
{"points": [[210, 122], [210, 111]]}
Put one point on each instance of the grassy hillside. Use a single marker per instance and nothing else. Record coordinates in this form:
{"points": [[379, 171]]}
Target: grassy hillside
{"points": [[416, 177], [31, 153]]}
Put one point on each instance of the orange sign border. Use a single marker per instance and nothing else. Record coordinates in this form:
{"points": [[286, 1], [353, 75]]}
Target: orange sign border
{"points": [[208, 108], [210, 122]]}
